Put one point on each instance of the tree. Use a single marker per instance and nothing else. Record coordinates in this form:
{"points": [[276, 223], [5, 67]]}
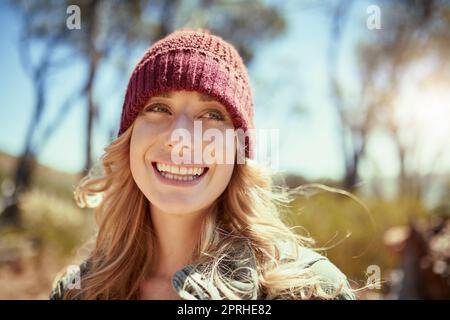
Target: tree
{"points": [[417, 30], [412, 31]]}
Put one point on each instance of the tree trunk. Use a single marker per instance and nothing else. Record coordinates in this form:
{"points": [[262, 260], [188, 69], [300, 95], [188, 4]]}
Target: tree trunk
{"points": [[93, 56], [26, 163]]}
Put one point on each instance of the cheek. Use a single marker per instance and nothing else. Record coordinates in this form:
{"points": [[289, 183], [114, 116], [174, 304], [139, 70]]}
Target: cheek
{"points": [[219, 146], [146, 129], [145, 134], [221, 179], [142, 139]]}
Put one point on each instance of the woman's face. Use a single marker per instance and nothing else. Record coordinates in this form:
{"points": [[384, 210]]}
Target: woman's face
{"points": [[179, 175]]}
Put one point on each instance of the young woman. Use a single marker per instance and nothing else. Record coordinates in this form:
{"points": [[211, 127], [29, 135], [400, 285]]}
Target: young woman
{"points": [[176, 225]]}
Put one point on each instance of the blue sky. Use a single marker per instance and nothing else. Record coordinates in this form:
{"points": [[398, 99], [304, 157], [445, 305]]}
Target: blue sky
{"points": [[293, 64]]}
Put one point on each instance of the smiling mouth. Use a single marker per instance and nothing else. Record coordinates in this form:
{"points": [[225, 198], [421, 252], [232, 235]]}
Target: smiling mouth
{"points": [[179, 174]]}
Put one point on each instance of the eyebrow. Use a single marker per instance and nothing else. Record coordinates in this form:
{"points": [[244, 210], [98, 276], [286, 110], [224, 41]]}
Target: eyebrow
{"points": [[203, 97], [164, 95]]}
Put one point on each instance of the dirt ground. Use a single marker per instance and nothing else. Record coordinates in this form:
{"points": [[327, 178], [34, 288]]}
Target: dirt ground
{"points": [[29, 278]]}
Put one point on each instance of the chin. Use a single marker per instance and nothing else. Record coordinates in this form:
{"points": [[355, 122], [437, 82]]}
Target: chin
{"points": [[177, 207]]}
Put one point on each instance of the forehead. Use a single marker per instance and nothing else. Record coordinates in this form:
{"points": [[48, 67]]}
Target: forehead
{"points": [[201, 96]]}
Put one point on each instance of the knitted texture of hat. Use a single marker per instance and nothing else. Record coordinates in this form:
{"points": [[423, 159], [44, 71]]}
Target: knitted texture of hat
{"points": [[193, 60]]}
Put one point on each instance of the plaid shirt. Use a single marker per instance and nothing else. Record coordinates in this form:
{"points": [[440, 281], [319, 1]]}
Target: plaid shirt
{"points": [[199, 289]]}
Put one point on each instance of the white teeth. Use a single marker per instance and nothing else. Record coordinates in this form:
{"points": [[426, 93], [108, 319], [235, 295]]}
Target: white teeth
{"points": [[174, 172], [179, 178]]}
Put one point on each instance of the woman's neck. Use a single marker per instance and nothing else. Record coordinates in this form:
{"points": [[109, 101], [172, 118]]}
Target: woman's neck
{"points": [[177, 237]]}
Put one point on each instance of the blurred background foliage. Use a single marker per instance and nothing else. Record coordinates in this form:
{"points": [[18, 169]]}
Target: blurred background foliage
{"points": [[393, 105]]}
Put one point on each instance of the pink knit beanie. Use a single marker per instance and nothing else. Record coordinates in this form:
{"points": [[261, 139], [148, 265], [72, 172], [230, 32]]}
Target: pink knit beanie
{"points": [[194, 61]]}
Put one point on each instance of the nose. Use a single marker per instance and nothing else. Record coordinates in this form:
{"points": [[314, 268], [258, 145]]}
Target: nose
{"points": [[180, 132]]}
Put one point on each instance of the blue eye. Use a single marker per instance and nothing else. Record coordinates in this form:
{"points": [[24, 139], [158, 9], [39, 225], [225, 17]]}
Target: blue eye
{"points": [[157, 108], [215, 115]]}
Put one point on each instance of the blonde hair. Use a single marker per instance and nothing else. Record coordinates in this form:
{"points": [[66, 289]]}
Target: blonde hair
{"points": [[249, 211]]}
